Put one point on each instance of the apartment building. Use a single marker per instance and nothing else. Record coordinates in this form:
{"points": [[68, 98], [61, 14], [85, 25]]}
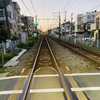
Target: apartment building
{"points": [[17, 18], [27, 24], [95, 27], [88, 19], [79, 27], [11, 18], [83, 23]]}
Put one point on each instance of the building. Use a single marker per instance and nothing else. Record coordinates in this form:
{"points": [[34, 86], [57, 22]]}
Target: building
{"points": [[11, 18], [83, 24], [17, 18], [79, 28], [88, 19], [27, 24], [95, 27]]}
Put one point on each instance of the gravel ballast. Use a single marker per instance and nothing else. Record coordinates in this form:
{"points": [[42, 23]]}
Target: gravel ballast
{"points": [[75, 63]]}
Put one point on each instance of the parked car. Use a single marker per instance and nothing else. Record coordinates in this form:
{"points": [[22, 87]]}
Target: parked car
{"points": [[87, 39]]}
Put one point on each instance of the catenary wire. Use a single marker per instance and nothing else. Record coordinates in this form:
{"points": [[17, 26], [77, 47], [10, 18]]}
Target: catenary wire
{"points": [[26, 7], [33, 7]]}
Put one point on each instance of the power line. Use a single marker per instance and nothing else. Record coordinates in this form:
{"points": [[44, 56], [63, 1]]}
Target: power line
{"points": [[71, 4], [33, 7], [26, 7], [57, 5], [94, 7], [68, 1], [61, 4]]}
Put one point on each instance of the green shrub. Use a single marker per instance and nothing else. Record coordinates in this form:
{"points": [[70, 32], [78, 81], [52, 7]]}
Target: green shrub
{"points": [[21, 45], [30, 43]]}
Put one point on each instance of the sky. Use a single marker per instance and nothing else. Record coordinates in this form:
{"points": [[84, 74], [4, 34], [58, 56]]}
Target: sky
{"points": [[48, 10]]}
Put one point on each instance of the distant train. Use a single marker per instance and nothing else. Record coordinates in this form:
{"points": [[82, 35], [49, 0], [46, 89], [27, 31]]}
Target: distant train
{"points": [[42, 33]]}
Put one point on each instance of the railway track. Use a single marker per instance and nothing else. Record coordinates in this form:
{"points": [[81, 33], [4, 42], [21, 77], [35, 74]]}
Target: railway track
{"points": [[46, 80], [90, 55]]}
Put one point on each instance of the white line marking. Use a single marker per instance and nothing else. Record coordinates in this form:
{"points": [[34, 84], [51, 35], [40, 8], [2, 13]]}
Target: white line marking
{"points": [[68, 69], [11, 92], [86, 89], [81, 74], [49, 75], [37, 70], [46, 90], [13, 77], [23, 70]]}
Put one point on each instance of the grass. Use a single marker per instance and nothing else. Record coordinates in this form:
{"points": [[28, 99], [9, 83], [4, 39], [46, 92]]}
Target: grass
{"points": [[2, 70]]}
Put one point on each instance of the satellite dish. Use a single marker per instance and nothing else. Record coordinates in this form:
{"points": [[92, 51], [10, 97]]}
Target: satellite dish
{"points": [[4, 3]]}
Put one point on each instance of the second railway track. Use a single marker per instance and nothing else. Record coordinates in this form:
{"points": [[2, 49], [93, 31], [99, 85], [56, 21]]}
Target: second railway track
{"points": [[90, 55]]}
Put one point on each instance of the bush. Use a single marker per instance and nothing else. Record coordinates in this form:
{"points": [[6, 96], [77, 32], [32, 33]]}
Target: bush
{"points": [[30, 43], [21, 45]]}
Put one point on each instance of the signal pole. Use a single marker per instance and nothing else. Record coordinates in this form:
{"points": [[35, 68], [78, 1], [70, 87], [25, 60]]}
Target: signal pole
{"points": [[71, 21], [36, 25], [7, 23], [65, 24]]}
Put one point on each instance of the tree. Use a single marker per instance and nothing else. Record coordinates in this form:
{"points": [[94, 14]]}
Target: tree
{"points": [[14, 37], [3, 34]]}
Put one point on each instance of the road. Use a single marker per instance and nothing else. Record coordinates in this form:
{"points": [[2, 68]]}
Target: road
{"points": [[90, 84]]}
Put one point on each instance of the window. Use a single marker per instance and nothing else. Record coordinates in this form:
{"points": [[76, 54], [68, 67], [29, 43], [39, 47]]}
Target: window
{"points": [[9, 14], [84, 18], [78, 27], [90, 16], [80, 18], [88, 26], [1, 13]]}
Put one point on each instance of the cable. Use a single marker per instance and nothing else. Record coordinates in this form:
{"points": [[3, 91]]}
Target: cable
{"points": [[33, 7], [71, 4], [94, 7], [61, 4], [26, 7], [56, 5], [66, 4]]}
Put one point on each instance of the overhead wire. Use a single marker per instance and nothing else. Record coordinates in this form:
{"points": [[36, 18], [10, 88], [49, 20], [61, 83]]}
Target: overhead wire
{"points": [[68, 2], [33, 7], [93, 8], [71, 4], [26, 7], [57, 5], [61, 3]]}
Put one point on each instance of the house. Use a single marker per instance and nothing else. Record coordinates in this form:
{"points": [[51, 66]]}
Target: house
{"points": [[95, 27]]}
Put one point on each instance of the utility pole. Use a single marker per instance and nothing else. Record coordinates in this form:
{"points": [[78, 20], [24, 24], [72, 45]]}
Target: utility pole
{"points": [[4, 4], [59, 25], [65, 24], [71, 21]]}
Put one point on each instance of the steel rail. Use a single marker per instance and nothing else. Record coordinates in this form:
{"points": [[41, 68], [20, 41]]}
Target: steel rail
{"points": [[64, 44], [25, 91], [66, 88], [80, 47]]}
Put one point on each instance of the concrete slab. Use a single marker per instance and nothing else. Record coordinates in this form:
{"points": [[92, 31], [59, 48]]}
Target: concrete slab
{"points": [[19, 55], [11, 63], [3, 75]]}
